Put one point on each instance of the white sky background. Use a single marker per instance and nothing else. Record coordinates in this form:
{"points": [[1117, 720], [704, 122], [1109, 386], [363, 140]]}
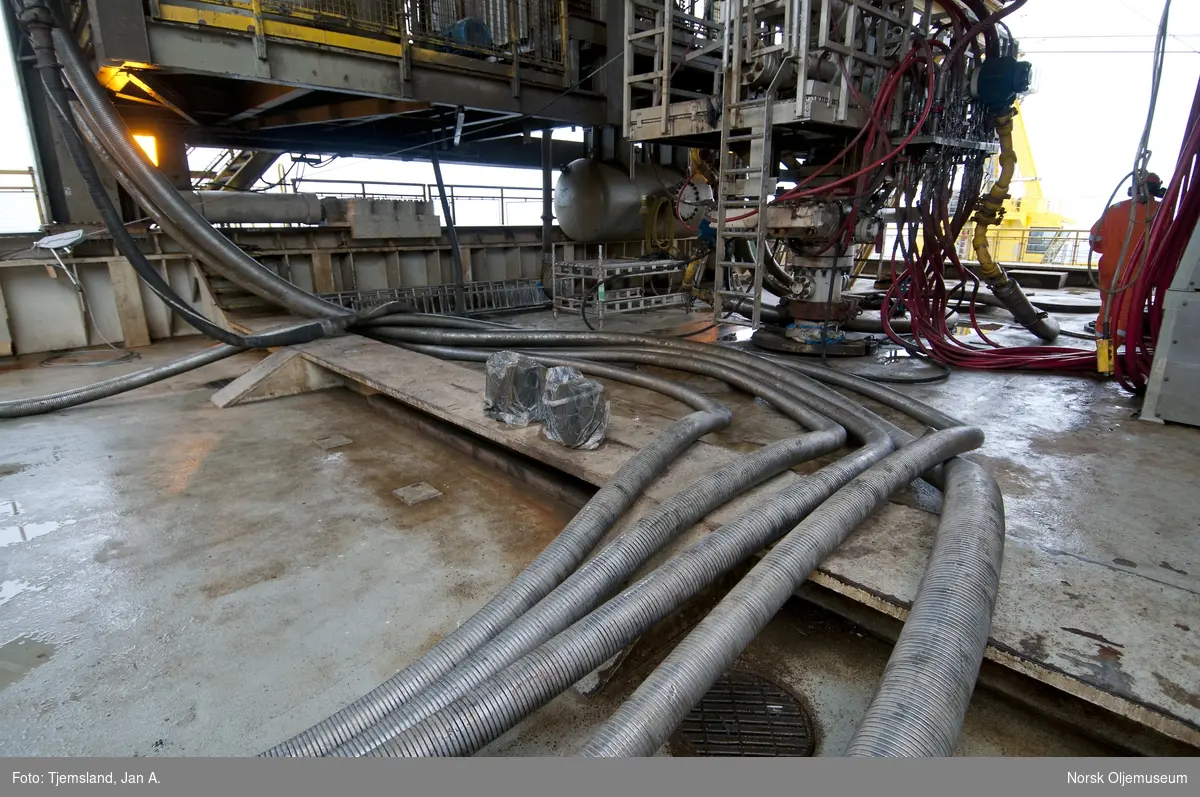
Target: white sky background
{"points": [[1084, 122], [1086, 118]]}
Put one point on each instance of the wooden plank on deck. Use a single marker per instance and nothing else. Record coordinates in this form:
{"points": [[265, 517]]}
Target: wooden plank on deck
{"points": [[135, 331]]}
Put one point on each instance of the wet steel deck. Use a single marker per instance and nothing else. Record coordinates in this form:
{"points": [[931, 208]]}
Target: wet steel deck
{"points": [[180, 579], [1102, 566], [171, 560]]}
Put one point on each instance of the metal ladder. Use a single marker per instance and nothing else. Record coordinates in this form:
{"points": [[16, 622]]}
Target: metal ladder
{"points": [[743, 189], [243, 169], [1055, 247], [660, 79]]}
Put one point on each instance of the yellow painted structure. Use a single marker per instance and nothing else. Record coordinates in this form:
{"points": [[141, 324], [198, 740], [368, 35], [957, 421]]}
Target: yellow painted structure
{"points": [[1030, 231], [245, 23]]}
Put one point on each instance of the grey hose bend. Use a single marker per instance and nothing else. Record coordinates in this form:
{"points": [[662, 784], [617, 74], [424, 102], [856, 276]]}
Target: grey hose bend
{"points": [[550, 567], [913, 408], [372, 319], [891, 398], [744, 305], [489, 709], [862, 423], [834, 405], [865, 425], [813, 385], [87, 128], [73, 141], [798, 382], [19, 408], [855, 418], [775, 277], [1039, 322], [165, 201], [899, 325], [610, 566], [920, 703], [655, 709], [779, 273]]}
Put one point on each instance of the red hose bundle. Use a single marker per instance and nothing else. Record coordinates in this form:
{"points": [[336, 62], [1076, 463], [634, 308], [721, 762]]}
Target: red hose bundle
{"points": [[926, 239], [1138, 297], [921, 288], [1142, 287], [881, 109]]}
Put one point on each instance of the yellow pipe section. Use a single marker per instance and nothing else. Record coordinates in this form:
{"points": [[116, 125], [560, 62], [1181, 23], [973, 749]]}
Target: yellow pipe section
{"points": [[699, 171], [867, 250], [689, 279], [991, 205]]}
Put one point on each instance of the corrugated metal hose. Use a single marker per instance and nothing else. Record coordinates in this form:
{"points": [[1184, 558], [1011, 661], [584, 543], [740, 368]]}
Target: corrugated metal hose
{"points": [[573, 608]]}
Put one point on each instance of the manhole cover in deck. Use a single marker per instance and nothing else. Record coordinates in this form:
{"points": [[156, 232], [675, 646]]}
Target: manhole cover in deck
{"points": [[745, 715]]}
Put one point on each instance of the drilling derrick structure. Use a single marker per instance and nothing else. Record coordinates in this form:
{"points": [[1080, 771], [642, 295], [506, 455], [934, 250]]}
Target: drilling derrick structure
{"points": [[820, 123]]}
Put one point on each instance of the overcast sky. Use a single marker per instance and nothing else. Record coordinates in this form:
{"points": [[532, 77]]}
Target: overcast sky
{"points": [[1094, 62], [1093, 58]]}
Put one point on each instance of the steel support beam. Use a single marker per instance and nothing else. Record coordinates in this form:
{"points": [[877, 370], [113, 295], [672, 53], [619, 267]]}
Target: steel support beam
{"points": [[363, 109], [460, 306], [436, 77], [259, 98], [119, 31], [358, 142], [547, 205]]}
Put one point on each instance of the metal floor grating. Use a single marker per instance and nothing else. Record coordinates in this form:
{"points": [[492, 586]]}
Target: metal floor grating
{"points": [[745, 715], [480, 296]]}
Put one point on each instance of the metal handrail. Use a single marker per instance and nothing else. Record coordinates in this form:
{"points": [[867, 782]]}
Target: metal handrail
{"points": [[427, 191], [531, 31], [1037, 246], [24, 188]]}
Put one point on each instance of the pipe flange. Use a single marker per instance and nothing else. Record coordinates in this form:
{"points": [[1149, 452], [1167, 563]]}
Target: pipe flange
{"points": [[803, 287], [692, 199]]}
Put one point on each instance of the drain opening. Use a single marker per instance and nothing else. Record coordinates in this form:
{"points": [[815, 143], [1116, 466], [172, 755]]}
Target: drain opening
{"points": [[745, 715]]}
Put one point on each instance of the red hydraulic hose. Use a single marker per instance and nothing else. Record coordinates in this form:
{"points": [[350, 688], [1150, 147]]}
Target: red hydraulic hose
{"points": [[1140, 296], [883, 101], [984, 24]]}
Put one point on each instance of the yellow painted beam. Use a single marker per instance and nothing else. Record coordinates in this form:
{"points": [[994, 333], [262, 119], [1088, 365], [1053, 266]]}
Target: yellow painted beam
{"points": [[1029, 172]]}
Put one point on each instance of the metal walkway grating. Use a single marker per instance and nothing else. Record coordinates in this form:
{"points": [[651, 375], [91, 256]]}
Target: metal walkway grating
{"points": [[481, 297], [745, 715]]}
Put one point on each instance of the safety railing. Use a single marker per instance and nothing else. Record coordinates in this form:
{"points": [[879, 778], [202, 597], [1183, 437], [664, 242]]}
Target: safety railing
{"points": [[1033, 246], [479, 296], [528, 30], [531, 32], [22, 182], [383, 16], [374, 189], [470, 204]]}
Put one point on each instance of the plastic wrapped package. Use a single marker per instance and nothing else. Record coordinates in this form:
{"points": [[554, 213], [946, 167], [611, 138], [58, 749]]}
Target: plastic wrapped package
{"points": [[574, 409], [513, 392], [558, 374]]}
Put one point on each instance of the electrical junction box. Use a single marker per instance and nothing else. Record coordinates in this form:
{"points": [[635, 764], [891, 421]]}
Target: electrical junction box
{"points": [[1173, 393]]}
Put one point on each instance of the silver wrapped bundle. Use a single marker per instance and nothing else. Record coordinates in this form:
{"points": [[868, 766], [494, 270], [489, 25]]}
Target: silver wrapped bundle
{"points": [[513, 391], [574, 409]]}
